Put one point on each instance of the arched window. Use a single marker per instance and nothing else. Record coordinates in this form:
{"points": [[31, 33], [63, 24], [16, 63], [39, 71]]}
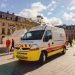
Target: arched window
{"points": [[2, 39], [3, 30], [13, 30], [8, 32]]}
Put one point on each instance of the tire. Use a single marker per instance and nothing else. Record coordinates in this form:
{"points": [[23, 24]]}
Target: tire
{"points": [[21, 61], [43, 58], [64, 50]]}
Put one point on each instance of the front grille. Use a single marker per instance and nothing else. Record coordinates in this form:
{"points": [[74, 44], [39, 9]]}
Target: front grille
{"points": [[21, 57], [25, 48], [21, 48], [22, 53]]}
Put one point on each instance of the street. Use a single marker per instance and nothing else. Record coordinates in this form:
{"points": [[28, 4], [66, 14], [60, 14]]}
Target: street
{"points": [[56, 65]]}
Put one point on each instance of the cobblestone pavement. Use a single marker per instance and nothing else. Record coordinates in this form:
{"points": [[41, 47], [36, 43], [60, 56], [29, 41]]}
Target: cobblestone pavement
{"points": [[56, 65], [3, 50]]}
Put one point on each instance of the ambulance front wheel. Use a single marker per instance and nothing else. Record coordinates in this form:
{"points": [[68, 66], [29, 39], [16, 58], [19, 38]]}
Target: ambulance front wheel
{"points": [[21, 61], [43, 58]]}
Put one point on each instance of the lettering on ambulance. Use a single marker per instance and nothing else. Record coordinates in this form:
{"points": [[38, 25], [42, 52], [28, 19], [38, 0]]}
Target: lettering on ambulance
{"points": [[61, 35], [48, 44]]}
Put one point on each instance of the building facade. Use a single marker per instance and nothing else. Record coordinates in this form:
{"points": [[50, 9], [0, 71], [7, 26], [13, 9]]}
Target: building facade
{"points": [[10, 22], [69, 30]]}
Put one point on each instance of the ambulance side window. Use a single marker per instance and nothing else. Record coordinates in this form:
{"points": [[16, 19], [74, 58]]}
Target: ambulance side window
{"points": [[47, 36]]}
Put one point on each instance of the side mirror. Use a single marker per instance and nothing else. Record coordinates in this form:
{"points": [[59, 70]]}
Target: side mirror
{"points": [[21, 38], [45, 39], [50, 37]]}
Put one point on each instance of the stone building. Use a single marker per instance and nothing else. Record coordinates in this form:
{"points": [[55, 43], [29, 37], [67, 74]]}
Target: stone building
{"points": [[69, 30], [10, 22]]}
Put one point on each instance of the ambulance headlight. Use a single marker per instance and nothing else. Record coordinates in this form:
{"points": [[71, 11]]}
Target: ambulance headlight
{"points": [[34, 47]]}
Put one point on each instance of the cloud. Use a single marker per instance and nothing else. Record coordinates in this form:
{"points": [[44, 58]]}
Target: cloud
{"points": [[51, 7], [55, 21], [3, 5], [35, 10], [71, 5], [72, 1], [53, 3], [5, 0], [69, 16], [38, 6], [72, 8], [63, 6], [49, 13]]}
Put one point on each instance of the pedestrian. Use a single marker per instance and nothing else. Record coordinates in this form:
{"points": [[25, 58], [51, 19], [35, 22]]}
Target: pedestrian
{"points": [[67, 42], [70, 41], [8, 45], [12, 44]]}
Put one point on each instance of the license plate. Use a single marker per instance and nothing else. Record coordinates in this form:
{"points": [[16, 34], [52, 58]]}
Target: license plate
{"points": [[20, 55]]}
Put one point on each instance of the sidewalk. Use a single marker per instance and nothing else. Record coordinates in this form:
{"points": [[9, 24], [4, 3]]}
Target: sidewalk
{"points": [[3, 50], [6, 54], [2, 45]]}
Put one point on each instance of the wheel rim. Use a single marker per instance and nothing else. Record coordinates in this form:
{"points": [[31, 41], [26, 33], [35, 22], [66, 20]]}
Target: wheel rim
{"points": [[64, 50], [44, 57]]}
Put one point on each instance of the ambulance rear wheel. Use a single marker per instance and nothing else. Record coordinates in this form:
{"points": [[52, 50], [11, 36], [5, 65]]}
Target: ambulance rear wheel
{"points": [[43, 58], [64, 50]]}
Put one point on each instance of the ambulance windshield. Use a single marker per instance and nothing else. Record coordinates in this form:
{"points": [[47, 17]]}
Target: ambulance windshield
{"points": [[33, 35]]}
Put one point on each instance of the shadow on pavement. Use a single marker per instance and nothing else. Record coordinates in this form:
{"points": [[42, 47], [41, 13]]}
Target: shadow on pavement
{"points": [[21, 68], [3, 50], [18, 68], [54, 57]]}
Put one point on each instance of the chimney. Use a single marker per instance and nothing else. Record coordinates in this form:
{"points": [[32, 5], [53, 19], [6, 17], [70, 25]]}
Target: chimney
{"points": [[7, 12], [12, 13]]}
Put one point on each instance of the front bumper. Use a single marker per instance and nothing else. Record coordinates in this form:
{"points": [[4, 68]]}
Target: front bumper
{"points": [[28, 55]]}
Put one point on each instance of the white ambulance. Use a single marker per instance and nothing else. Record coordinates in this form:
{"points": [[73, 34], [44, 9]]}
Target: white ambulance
{"points": [[39, 43]]}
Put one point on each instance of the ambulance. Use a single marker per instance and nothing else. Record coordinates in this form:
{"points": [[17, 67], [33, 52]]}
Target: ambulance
{"points": [[39, 43]]}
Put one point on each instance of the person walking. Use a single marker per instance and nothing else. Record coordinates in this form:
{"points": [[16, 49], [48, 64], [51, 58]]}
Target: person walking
{"points": [[8, 45], [70, 41], [12, 44]]}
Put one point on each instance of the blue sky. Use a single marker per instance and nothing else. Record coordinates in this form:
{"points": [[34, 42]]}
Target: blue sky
{"points": [[53, 11]]}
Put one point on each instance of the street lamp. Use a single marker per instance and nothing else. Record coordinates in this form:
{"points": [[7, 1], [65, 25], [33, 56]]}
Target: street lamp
{"points": [[40, 19]]}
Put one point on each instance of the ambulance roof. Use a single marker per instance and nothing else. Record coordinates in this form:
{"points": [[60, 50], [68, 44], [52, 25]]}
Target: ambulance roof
{"points": [[44, 27]]}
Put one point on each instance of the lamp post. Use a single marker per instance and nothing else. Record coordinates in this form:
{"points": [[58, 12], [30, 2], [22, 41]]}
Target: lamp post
{"points": [[40, 19]]}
